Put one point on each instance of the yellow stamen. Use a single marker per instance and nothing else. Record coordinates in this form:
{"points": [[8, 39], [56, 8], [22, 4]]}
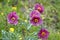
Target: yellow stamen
{"points": [[12, 18], [43, 34], [36, 20]]}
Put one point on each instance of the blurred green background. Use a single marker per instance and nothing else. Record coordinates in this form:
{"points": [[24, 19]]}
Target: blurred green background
{"points": [[23, 30]]}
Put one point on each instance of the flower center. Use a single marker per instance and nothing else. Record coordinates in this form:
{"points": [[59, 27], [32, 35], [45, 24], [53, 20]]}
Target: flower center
{"points": [[39, 8], [43, 33], [36, 20], [13, 18]]}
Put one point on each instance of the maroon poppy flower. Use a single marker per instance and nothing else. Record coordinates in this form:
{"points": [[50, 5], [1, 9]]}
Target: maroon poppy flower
{"points": [[39, 7], [34, 13], [43, 33], [36, 21], [12, 18]]}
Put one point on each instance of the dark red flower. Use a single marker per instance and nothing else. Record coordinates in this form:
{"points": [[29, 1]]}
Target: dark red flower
{"points": [[36, 21], [43, 33], [12, 18], [39, 7]]}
